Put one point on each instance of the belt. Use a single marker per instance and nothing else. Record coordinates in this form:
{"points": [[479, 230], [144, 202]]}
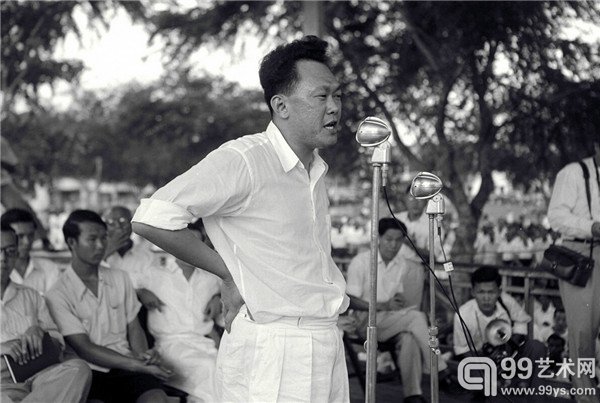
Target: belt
{"points": [[303, 322]]}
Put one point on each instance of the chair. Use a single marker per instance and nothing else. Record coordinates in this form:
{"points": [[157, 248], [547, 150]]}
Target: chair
{"points": [[359, 370]]}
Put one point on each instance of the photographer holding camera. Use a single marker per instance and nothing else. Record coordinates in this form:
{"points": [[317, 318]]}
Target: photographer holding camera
{"points": [[491, 304]]}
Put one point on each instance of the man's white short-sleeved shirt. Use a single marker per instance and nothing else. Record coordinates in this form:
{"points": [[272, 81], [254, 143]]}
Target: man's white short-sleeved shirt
{"points": [[267, 217]]}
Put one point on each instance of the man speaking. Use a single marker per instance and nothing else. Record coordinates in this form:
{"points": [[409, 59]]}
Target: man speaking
{"points": [[264, 204]]}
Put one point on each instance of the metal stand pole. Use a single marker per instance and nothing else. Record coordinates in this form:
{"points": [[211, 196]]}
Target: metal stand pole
{"points": [[372, 323], [433, 330], [435, 206], [380, 160]]}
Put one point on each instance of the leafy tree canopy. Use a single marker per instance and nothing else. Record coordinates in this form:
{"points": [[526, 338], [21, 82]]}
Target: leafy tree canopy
{"points": [[480, 86], [147, 134], [31, 31]]}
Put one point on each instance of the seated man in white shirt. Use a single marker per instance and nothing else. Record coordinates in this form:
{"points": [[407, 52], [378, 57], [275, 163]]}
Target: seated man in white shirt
{"points": [[25, 319], [490, 303], [396, 319], [134, 258], [34, 272], [182, 329], [96, 310]]}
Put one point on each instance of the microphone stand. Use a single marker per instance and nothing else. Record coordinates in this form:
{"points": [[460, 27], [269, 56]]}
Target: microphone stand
{"points": [[435, 209], [380, 159]]}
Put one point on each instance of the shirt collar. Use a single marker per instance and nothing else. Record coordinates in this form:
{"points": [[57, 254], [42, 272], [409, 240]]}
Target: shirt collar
{"points": [[287, 156], [16, 276], [10, 292], [394, 260], [78, 287]]}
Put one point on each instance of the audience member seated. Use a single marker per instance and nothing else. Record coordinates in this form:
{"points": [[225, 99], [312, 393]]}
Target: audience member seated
{"points": [[559, 327], [34, 272], [490, 303], [485, 246], [96, 310], [543, 314], [183, 328], [131, 257], [25, 319], [397, 319]]}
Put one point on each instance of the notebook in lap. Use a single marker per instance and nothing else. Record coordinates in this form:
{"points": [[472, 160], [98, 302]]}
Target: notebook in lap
{"points": [[50, 356]]}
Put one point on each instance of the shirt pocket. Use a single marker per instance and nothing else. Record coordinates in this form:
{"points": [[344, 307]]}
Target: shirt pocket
{"points": [[117, 322]]}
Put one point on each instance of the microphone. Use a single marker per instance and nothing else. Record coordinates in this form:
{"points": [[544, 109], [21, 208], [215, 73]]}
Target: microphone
{"points": [[425, 185], [374, 132]]}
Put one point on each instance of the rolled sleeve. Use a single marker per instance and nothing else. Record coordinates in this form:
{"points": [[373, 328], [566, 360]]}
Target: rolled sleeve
{"points": [[162, 214], [205, 189]]}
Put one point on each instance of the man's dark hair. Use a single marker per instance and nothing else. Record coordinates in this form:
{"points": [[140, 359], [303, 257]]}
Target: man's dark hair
{"points": [[71, 227], [15, 215], [485, 274], [4, 227], [390, 223], [278, 73]]}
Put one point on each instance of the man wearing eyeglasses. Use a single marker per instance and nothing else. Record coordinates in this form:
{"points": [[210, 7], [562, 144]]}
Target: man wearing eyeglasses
{"points": [[32, 271], [134, 258], [25, 319]]}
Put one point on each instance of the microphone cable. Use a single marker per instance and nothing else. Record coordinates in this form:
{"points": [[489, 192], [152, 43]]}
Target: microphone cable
{"points": [[453, 303], [468, 337]]}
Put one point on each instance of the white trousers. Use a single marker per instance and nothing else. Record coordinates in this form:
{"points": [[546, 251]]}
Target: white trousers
{"points": [[193, 360], [289, 360]]}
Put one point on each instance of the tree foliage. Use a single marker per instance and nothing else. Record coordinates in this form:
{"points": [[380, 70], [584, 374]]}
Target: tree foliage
{"points": [[479, 86], [31, 31], [147, 134]]}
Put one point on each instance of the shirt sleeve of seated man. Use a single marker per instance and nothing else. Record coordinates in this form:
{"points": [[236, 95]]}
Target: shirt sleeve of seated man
{"points": [[518, 315], [356, 276], [45, 320]]}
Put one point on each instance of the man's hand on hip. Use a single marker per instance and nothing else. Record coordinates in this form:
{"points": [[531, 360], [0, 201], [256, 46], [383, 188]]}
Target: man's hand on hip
{"points": [[232, 302]]}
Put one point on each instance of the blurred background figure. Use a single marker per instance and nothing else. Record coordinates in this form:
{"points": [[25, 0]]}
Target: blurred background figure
{"points": [[32, 271], [11, 196]]}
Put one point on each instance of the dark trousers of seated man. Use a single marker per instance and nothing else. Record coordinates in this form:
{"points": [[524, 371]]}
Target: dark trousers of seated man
{"points": [[121, 386], [531, 349]]}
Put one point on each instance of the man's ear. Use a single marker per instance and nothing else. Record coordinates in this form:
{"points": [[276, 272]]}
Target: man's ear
{"points": [[279, 105], [71, 242]]}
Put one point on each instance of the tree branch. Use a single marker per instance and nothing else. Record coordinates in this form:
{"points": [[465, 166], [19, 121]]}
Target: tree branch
{"points": [[412, 158], [421, 45]]}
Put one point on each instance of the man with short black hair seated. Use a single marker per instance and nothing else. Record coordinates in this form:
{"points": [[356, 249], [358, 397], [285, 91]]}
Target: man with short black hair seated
{"points": [[25, 320], [96, 311], [397, 319], [490, 303]]}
